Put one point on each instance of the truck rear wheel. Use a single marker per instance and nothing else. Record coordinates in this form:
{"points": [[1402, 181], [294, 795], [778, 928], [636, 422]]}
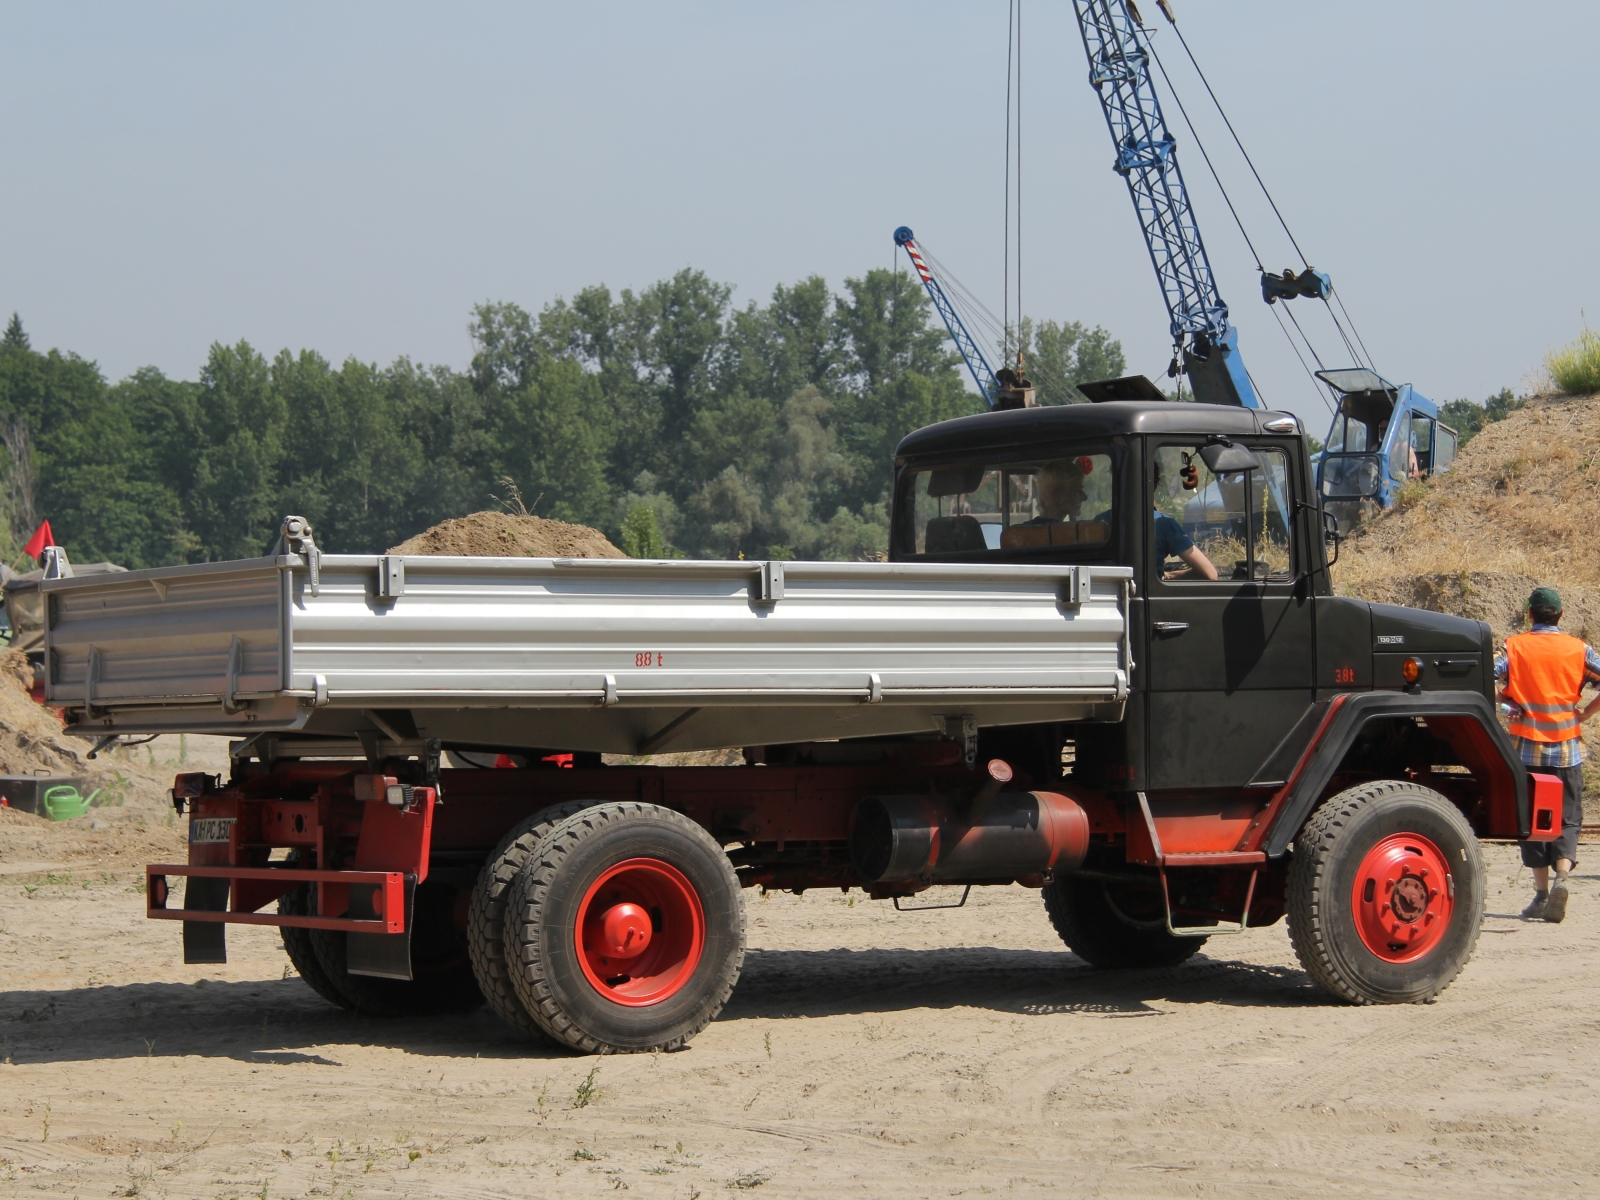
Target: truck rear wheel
{"points": [[486, 917], [297, 945], [442, 979], [1386, 894], [625, 931], [1111, 926]]}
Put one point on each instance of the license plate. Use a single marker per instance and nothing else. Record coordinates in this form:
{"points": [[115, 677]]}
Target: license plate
{"points": [[210, 831]]}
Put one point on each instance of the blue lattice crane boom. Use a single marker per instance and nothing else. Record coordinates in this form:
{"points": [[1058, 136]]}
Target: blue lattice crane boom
{"points": [[982, 374], [1147, 159]]}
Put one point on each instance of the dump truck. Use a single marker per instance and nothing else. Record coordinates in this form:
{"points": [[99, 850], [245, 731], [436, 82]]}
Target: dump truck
{"points": [[1065, 676]]}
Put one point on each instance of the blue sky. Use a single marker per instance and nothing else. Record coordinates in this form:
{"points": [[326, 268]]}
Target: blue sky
{"points": [[353, 177]]}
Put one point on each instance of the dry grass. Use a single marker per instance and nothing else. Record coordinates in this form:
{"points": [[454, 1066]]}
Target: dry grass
{"points": [[1520, 508], [1522, 500]]}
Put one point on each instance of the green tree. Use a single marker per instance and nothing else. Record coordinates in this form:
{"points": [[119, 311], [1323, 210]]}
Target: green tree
{"points": [[1467, 417]]}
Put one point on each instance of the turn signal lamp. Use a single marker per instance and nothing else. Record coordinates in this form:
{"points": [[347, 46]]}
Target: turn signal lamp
{"points": [[1411, 669]]}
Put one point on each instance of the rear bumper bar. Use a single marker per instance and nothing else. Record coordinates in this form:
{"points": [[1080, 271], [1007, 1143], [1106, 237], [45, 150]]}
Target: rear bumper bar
{"points": [[383, 893]]}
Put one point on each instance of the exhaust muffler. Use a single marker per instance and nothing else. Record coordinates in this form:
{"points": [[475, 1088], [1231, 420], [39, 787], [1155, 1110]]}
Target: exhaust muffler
{"points": [[995, 836]]}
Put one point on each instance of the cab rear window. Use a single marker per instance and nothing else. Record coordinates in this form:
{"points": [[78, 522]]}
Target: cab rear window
{"points": [[1000, 510]]}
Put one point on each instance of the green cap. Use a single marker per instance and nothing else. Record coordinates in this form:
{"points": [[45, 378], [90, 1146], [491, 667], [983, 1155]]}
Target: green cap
{"points": [[1545, 597]]}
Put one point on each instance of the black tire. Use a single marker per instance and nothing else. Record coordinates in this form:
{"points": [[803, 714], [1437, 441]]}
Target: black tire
{"points": [[297, 944], [442, 979], [1323, 921], [541, 923], [1114, 927], [486, 917]]}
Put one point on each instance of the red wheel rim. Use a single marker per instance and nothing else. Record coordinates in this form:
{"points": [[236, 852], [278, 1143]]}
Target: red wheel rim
{"points": [[1403, 898], [640, 932]]}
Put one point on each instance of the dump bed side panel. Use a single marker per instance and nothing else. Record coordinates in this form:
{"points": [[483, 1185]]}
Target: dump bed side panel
{"points": [[585, 653], [550, 634]]}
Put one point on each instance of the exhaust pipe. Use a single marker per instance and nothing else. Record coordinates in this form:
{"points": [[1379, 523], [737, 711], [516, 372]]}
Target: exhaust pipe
{"points": [[1010, 836]]}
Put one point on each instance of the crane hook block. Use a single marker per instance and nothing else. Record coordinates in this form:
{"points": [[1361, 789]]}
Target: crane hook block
{"points": [[1310, 283]]}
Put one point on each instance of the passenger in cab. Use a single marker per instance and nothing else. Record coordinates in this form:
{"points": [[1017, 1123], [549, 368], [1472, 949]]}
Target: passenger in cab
{"points": [[1061, 494]]}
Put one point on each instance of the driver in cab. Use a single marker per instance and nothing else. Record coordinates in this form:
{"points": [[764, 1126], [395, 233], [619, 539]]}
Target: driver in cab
{"points": [[1173, 542]]}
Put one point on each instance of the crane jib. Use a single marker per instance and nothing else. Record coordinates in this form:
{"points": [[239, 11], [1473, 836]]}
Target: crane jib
{"points": [[1147, 159]]}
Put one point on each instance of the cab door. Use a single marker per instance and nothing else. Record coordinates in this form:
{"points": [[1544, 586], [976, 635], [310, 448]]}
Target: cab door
{"points": [[1230, 661]]}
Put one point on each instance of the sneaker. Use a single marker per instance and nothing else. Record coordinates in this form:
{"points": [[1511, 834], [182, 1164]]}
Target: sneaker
{"points": [[1534, 911], [1556, 910]]}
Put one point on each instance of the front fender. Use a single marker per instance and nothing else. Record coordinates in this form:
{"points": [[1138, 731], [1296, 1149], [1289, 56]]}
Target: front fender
{"points": [[1464, 720]]}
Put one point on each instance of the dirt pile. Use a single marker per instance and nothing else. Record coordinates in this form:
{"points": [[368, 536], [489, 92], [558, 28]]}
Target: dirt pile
{"points": [[507, 535], [118, 840], [1519, 508], [31, 740]]}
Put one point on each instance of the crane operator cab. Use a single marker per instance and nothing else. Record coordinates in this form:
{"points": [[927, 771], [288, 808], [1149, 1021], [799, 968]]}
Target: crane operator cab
{"points": [[1383, 437]]}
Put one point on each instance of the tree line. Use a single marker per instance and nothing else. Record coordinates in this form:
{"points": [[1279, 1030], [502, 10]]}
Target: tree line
{"points": [[674, 421]]}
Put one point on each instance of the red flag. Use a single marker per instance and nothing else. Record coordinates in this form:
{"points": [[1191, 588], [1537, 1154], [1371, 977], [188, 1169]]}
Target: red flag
{"points": [[41, 538]]}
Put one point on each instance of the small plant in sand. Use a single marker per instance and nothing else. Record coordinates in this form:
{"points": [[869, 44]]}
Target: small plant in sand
{"points": [[1575, 368], [588, 1091]]}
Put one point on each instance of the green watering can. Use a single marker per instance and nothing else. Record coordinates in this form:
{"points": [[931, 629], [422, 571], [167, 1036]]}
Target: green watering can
{"points": [[64, 802]]}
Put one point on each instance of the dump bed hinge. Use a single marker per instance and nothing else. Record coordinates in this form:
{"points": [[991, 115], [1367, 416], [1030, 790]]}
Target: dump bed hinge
{"points": [[294, 537]]}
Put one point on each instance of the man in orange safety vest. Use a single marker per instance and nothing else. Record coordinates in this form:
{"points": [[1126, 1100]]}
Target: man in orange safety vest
{"points": [[1544, 671]]}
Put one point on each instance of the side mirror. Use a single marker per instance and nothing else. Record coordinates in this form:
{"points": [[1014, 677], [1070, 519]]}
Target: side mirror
{"points": [[1228, 458]]}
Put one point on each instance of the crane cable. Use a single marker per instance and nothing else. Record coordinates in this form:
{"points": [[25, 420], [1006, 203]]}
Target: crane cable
{"points": [[1005, 256], [977, 315], [1013, 104], [1234, 212], [1265, 191]]}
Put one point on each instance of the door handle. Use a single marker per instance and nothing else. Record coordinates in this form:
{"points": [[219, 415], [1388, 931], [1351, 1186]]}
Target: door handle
{"points": [[1170, 626]]}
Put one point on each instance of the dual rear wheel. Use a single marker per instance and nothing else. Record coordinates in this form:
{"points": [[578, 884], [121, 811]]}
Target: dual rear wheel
{"points": [[602, 927], [621, 928]]}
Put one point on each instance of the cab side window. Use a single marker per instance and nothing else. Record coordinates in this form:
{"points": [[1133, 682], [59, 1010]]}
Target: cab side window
{"points": [[1239, 522]]}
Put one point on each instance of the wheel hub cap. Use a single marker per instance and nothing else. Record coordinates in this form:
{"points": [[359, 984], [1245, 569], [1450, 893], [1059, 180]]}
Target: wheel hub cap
{"points": [[1403, 898], [626, 930], [640, 932]]}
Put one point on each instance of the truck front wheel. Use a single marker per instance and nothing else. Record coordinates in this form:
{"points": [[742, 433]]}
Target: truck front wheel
{"points": [[625, 929], [1386, 894], [1111, 926]]}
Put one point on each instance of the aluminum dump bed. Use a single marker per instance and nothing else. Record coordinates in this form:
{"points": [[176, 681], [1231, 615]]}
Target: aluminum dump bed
{"points": [[614, 655]]}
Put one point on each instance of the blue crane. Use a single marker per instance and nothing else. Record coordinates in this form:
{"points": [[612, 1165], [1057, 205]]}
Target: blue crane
{"points": [[1005, 390], [1147, 159]]}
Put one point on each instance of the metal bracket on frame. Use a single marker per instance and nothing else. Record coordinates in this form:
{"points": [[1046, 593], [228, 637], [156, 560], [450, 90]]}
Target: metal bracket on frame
{"points": [[768, 583], [1222, 927], [230, 701], [965, 727], [391, 576], [1073, 586]]}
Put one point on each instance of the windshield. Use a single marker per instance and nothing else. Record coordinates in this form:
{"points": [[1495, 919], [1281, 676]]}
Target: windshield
{"points": [[1350, 475], [1000, 510]]}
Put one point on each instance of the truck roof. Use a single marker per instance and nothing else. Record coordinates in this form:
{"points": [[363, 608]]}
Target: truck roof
{"points": [[1028, 426]]}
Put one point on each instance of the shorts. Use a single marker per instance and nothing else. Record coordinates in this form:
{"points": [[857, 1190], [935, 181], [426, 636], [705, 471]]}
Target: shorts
{"points": [[1545, 854]]}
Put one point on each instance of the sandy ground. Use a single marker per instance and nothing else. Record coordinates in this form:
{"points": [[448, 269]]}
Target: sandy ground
{"points": [[866, 1052]]}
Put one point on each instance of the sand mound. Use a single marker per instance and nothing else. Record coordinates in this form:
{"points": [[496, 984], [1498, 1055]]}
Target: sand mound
{"points": [[1519, 508], [504, 535], [31, 741]]}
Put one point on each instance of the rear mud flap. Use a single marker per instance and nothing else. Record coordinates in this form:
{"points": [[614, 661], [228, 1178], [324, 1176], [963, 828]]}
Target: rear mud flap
{"points": [[386, 955], [205, 941]]}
